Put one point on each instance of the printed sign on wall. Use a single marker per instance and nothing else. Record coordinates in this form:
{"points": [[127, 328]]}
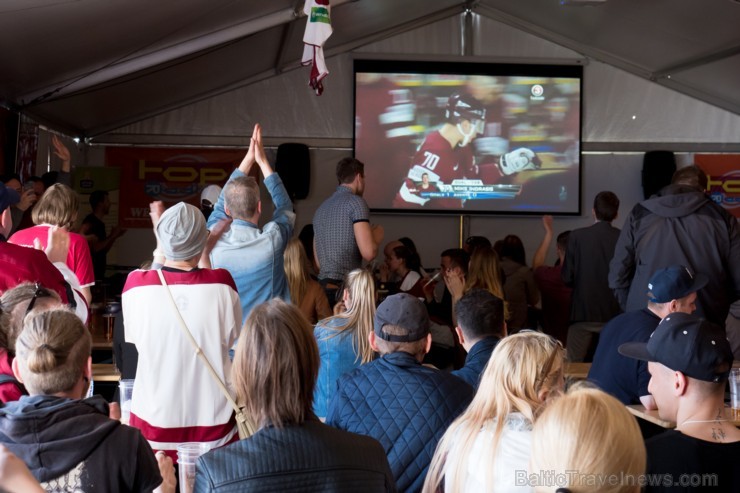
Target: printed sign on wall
{"points": [[723, 172], [169, 175]]}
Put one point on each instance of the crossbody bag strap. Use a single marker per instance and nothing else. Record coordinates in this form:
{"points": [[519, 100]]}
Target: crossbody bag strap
{"points": [[240, 416]]}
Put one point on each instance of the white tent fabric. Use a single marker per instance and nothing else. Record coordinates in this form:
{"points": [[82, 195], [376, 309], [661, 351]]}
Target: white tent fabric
{"points": [[612, 97], [89, 68]]}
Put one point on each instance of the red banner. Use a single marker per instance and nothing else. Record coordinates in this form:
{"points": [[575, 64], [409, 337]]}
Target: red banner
{"points": [[169, 175], [723, 172]]}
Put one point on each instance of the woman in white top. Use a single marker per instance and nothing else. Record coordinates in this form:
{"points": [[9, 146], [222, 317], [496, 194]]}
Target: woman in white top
{"points": [[489, 445]]}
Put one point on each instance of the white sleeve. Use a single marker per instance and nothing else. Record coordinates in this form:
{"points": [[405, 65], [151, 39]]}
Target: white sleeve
{"points": [[81, 310]]}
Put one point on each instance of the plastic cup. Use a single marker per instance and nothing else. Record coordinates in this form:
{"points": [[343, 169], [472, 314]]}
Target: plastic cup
{"points": [[187, 455], [125, 390], [735, 393]]}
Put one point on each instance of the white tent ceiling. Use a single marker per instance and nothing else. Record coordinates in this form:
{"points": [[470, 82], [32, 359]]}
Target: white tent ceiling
{"points": [[89, 67]]}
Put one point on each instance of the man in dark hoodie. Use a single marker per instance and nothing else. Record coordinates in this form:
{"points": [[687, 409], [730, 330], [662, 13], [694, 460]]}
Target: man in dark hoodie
{"points": [[679, 225], [69, 443]]}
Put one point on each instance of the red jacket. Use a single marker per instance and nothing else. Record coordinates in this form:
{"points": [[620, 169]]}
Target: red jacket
{"points": [[22, 264]]}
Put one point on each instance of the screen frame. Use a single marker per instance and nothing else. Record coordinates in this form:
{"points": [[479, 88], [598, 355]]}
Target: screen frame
{"points": [[502, 69]]}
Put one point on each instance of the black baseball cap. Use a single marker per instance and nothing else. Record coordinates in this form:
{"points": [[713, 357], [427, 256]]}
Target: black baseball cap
{"points": [[673, 283], [696, 347], [405, 311]]}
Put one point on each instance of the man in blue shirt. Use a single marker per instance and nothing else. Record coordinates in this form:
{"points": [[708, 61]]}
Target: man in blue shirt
{"points": [[670, 290], [254, 257]]}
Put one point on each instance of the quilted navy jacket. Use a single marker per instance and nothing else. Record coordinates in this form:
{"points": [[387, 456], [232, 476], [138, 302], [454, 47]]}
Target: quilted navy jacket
{"points": [[405, 406]]}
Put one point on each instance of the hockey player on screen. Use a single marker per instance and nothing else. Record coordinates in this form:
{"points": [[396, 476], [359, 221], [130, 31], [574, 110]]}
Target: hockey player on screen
{"points": [[446, 155]]}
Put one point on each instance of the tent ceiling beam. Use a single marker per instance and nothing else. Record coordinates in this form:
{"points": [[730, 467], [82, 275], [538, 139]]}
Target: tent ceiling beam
{"points": [[704, 59]]}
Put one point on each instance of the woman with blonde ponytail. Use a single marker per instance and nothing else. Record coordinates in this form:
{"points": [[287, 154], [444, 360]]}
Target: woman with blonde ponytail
{"points": [[343, 338], [491, 440]]}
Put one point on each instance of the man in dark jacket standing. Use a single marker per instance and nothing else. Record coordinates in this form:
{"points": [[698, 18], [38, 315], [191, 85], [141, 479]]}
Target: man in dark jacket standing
{"points": [[405, 406], [679, 225], [586, 270]]}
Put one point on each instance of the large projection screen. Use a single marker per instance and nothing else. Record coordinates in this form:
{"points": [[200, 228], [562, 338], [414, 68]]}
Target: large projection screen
{"points": [[469, 138]]}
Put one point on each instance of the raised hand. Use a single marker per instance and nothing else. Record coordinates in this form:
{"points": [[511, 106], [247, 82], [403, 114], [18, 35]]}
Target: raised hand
{"points": [[156, 209], [259, 149], [455, 284], [249, 159], [547, 223], [61, 151]]}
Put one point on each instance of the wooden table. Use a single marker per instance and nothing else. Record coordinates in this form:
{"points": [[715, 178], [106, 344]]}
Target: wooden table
{"points": [[577, 371], [105, 372], [653, 417]]}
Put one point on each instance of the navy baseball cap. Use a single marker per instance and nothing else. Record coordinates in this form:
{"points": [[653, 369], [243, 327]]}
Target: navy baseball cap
{"points": [[405, 311], [674, 283], [8, 197], [696, 347]]}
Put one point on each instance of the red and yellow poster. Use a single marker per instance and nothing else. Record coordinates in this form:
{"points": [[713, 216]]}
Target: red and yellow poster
{"points": [[169, 175], [723, 172]]}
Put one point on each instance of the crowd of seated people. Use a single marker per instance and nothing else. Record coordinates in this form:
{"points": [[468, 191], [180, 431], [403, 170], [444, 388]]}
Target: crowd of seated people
{"points": [[496, 420]]}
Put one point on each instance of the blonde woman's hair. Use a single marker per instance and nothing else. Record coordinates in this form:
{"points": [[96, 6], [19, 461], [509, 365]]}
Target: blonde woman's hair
{"points": [[58, 206], [359, 316], [591, 432], [484, 272], [520, 368], [13, 306], [296, 270], [52, 351], [276, 364]]}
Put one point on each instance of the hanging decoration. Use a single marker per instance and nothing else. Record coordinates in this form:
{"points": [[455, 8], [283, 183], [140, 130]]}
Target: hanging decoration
{"points": [[318, 30]]}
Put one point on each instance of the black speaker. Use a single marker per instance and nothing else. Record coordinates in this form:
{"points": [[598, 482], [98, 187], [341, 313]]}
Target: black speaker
{"points": [[657, 169], [293, 164]]}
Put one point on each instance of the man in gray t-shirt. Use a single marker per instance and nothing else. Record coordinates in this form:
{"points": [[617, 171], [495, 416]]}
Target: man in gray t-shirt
{"points": [[343, 234]]}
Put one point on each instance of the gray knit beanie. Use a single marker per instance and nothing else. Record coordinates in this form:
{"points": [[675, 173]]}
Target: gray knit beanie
{"points": [[182, 232]]}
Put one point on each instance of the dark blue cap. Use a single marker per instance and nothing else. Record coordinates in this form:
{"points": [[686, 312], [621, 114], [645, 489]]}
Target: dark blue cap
{"points": [[673, 283]]}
